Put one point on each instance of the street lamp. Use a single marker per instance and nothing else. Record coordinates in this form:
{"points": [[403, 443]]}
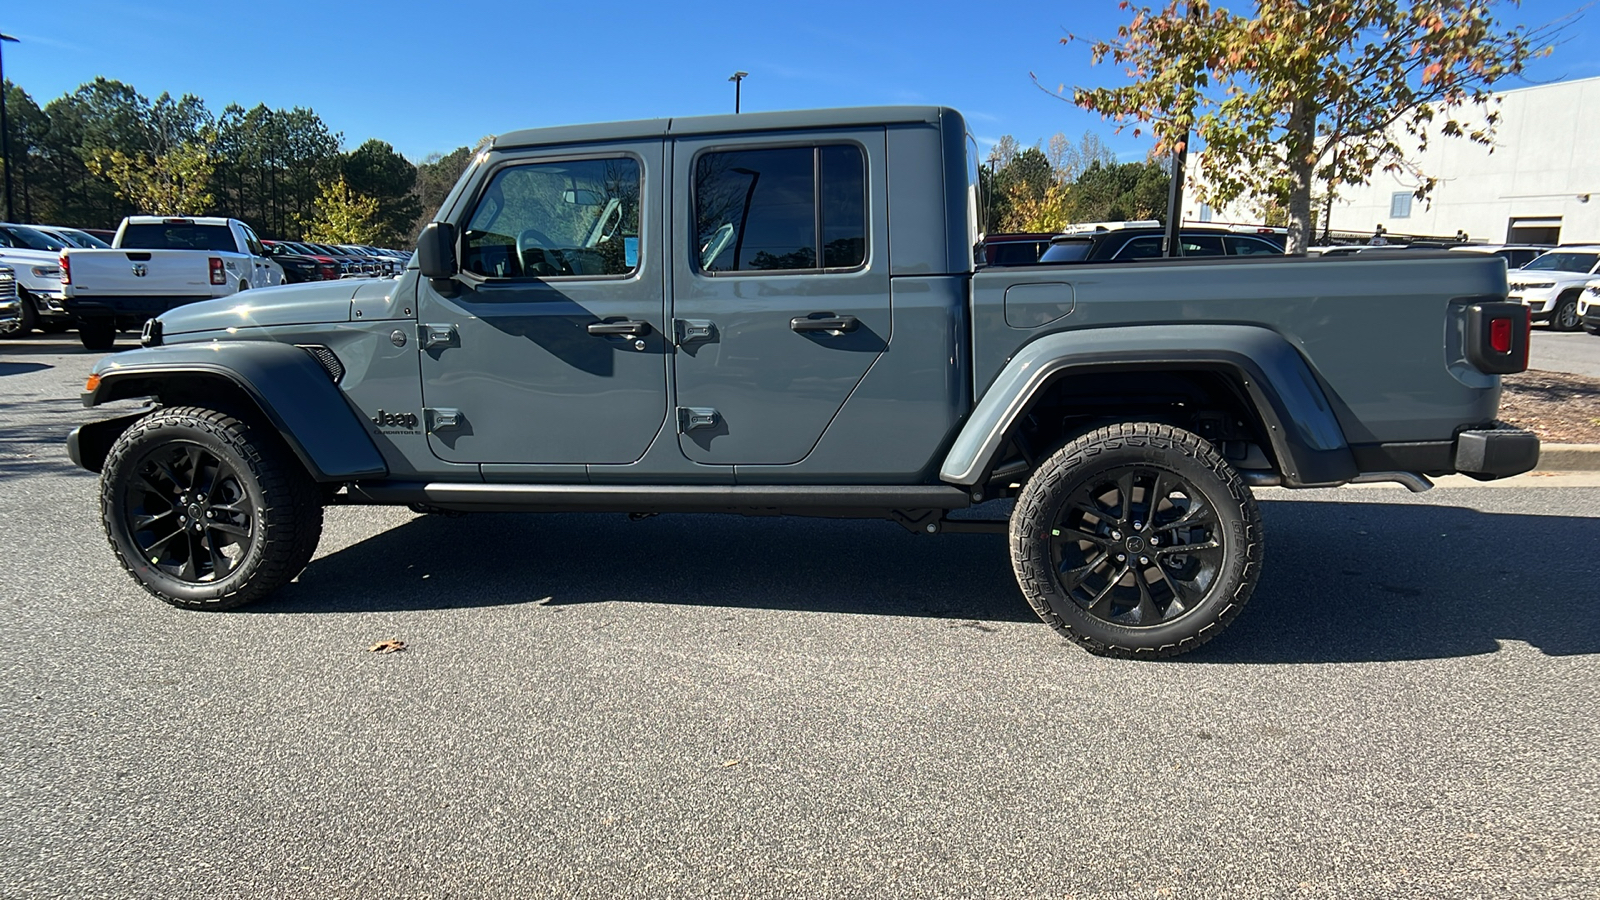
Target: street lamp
{"points": [[737, 78], [5, 124]]}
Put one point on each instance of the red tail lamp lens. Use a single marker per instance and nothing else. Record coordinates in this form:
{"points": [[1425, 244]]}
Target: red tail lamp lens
{"points": [[1500, 335], [217, 275]]}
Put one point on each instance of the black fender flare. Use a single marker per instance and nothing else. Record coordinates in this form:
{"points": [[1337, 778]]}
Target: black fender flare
{"points": [[287, 386], [1300, 422]]}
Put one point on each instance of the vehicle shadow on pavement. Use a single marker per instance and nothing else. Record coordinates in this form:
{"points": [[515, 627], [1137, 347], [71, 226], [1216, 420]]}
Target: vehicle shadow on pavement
{"points": [[33, 437], [861, 567], [1371, 582], [1343, 581]]}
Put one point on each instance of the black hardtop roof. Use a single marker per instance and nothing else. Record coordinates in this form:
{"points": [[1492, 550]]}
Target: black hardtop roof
{"points": [[787, 120]]}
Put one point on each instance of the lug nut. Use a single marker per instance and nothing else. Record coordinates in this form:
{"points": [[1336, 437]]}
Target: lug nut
{"points": [[1144, 560], [1121, 557], [1155, 542], [1138, 525], [1116, 535]]}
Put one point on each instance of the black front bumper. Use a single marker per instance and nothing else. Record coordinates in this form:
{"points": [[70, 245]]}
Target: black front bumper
{"points": [[1488, 453], [127, 311], [1591, 320]]}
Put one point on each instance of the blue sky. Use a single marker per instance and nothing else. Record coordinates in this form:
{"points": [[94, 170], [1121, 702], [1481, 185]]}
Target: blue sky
{"points": [[433, 76]]}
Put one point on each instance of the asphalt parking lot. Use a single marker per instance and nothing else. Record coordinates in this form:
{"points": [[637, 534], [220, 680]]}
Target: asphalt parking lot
{"points": [[695, 706]]}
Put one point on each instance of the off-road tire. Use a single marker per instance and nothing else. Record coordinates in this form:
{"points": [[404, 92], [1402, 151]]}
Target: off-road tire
{"points": [[1042, 513], [284, 504], [1565, 316], [97, 336]]}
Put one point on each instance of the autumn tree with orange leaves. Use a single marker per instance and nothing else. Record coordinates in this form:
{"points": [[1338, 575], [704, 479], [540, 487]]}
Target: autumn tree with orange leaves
{"points": [[1310, 92]]}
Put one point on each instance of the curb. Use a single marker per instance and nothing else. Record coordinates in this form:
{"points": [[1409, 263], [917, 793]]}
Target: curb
{"points": [[1569, 458]]}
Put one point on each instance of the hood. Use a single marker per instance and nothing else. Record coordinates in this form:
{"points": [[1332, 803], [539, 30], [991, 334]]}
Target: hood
{"points": [[296, 304], [16, 257]]}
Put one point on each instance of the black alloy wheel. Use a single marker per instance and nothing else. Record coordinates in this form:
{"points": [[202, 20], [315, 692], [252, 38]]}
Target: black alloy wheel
{"points": [[1136, 546], [188, 513], [1137, 540], [205, 510]]}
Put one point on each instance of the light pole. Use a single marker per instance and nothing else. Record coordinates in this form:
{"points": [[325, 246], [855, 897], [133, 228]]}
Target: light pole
{"points": [[5, 124], [737, 78]]}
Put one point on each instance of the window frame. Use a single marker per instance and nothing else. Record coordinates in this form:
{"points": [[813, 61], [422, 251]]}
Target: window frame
{"points": [[492, 172], [816, 207]]}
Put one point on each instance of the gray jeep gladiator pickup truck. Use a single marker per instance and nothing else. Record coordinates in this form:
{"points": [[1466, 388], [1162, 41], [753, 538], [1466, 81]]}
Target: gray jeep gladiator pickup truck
{"points": [[778, 313]]}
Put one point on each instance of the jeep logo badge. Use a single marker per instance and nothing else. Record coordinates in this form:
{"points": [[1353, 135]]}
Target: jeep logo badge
{"points": [[139, 270], [395, 420]]}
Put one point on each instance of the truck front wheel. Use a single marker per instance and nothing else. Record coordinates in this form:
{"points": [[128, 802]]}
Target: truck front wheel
{"points": [[206, 512], [1137, 540]]}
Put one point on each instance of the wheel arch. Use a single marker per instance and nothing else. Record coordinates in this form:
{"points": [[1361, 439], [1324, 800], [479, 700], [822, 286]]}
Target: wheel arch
{"points": [[1272, 381], [279, 385]]}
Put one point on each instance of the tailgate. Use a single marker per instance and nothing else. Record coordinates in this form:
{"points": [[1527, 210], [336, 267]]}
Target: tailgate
{"points": [[147, 273]]}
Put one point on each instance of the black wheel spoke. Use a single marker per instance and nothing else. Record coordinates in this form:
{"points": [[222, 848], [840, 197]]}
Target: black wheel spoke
{"points": [[160, 543], [220, 564], [142, 522], [1188, 548], [1149, 613], [164, 492], [1100, 605], [1158, 492], [1179, 596], [229, 528], [1125, 487]]}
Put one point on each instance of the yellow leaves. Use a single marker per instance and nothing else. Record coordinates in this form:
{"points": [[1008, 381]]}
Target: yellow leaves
{"points": [[390, 646]]}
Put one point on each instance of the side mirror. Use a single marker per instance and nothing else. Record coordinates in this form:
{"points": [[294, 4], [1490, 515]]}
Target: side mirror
{"points": [[436, 250]]}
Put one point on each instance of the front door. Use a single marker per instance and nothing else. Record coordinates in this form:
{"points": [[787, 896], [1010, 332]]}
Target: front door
{"points": [[780, 291], [548, 348]]}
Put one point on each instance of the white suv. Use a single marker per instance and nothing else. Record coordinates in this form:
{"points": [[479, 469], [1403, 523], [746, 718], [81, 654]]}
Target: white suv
{"points": [[1552, 284]]}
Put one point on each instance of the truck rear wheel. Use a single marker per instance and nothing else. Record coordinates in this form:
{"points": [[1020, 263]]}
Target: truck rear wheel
{"points": [[1137, 540], [206, 512], [98, 336]]}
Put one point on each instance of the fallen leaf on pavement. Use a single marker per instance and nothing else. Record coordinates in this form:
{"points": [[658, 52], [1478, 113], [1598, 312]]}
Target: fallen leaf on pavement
{"points": [[387, 647], [730, 763]]}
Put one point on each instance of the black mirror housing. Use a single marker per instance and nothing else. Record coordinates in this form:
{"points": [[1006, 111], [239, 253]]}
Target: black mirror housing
{"points": [[436, 250]]}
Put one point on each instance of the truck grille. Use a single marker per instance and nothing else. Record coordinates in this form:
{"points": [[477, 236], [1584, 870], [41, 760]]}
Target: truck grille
{"points": [[8, 285]]}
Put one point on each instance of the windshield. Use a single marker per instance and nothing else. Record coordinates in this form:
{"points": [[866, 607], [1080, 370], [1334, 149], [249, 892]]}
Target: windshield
{"points": [[163, 236], [24, 237], [1560, 261], [83, 239]]}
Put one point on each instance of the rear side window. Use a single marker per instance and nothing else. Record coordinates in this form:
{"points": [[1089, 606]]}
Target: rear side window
{"points": [[1249, 246], [771, 210], [1201, 245], [1066, 251], [572, 218], [1141, 248], [162, 236]]}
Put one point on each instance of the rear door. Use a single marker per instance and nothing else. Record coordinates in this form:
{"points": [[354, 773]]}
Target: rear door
{"points": [[780, 289], [548, 348]]}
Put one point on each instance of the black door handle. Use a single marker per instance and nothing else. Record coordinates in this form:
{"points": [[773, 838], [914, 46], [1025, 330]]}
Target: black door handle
{"points": [[827, 323], [629, 327]]}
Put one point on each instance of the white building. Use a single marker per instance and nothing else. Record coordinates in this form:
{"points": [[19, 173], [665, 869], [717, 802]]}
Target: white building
{"points": [[1535, 187]]}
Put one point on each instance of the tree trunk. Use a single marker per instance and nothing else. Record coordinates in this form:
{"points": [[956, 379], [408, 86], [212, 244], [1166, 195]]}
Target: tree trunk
{"points": [[1299, 140]]}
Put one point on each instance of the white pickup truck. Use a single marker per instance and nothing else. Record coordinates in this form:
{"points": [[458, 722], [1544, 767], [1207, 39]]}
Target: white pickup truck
{"points": [[158, 263]]}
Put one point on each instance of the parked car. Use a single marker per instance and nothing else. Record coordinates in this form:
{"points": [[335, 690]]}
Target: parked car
{"points": [[1551, 284], [1020, 249], [105, 234], [158, 263], [1515, 255], [77, 237], [1589, 307], [35, 258], [300, 267], [552, 350], [350, 265], [1111, 241]]}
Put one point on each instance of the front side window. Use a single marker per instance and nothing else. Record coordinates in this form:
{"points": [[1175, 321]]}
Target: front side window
{"points": [[770, 210], [574, 218], [1249, 246]]}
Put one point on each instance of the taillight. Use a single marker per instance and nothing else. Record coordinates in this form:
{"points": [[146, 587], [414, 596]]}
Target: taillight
{"points": [[217, 275], [66, 268], [1500, 335]]}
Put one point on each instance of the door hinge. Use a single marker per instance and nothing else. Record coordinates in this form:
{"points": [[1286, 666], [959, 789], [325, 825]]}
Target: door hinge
{"points": [[690, 331], [690, 418], [437, 336], [442, 419]]}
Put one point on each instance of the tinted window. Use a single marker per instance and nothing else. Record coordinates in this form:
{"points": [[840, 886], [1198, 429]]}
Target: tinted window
{"points": [[557, 219], [1141, 248], [1066, 251], [1249, 246], [769, 210], [1564, 262], [1201, 244], [161, 236]]}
